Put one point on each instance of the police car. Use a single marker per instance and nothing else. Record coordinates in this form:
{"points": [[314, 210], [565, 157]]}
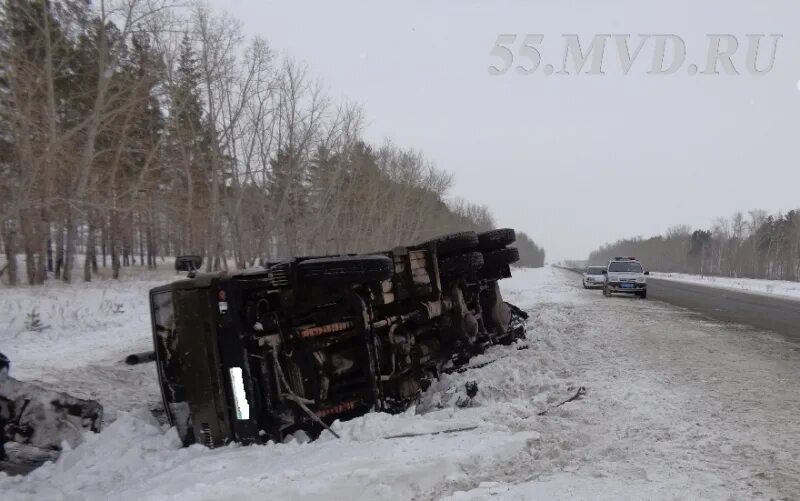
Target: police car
{"points": [[625, 275]]}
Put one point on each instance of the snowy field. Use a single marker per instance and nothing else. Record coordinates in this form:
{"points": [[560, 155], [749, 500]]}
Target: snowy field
{"points": [[676, 408], [769, 287], [87, 329]]}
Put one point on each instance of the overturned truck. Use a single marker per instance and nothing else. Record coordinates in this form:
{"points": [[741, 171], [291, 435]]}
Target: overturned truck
{"points": [[257, 355]]}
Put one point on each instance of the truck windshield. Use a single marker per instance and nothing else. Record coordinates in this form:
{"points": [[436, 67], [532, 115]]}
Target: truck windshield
{"points": [[163, 319], [625, 267]]}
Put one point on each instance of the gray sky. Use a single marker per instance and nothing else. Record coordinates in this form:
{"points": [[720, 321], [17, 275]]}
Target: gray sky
{"points": [[573, 160]]}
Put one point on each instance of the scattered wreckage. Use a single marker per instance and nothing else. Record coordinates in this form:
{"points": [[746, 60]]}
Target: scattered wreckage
{"points": [[36, 422], [258, 355]]}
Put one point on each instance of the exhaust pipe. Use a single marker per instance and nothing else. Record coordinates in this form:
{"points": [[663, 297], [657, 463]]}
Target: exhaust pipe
{"points": [[140, 358]]}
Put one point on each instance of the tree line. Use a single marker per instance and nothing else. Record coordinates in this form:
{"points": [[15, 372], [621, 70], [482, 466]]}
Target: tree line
{"points": [[752, 245], [530, 254], [131, 130]]}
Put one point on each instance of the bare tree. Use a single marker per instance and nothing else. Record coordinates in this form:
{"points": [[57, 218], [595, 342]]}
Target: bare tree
{"points": [[132, 129]]}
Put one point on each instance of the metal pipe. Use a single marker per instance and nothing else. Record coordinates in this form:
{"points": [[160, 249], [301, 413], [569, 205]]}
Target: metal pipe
{"points": [[140, 358]]}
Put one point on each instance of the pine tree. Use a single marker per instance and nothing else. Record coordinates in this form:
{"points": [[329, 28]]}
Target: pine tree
{"points": [[188, 149]]}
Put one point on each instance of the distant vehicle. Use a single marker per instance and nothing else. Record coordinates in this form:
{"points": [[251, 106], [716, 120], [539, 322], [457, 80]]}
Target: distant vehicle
{"points": [[593, 277], [626, 275]]}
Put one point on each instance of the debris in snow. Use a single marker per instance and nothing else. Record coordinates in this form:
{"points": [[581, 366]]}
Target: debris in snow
{"points": [[140, 358], [464, 368], [36, 423], [452, 430], [578, 394], [471, 388]]}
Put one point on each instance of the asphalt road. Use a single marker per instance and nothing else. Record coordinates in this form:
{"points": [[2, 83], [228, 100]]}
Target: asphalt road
{"points": [[757, 310]]}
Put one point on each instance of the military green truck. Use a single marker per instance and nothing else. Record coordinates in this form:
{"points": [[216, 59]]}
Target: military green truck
{"points": [[256, 355]]}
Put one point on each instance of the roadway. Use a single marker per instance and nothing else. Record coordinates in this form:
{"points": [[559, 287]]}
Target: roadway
{"points": [[762, 311]]}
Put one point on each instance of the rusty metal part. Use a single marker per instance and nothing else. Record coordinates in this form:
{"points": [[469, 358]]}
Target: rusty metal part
{"points": [[321, 330], [427, 311], [336, 409]]}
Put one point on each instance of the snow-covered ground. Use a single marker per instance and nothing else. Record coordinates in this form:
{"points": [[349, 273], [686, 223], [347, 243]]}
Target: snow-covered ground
{"points": [[88, 329], [770, 287], [676, 408]]}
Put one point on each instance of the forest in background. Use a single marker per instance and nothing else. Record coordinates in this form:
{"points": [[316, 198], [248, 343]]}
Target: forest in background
{"points": [[755, 245], [131, 130]]}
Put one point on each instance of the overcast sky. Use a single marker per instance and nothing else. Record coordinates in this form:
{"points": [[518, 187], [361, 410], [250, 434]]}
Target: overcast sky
{"points": [[573, 160]]}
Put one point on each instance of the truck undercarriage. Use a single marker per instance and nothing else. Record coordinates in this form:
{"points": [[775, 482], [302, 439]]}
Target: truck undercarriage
{"points": [[258, 355]]}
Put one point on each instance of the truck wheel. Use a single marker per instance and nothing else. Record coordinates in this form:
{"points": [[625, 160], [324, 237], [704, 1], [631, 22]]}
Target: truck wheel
{"points": [[344, 270], [496, 239], [643, 294], [501, 257], [454, 243], [496, 262], [464, 264]]}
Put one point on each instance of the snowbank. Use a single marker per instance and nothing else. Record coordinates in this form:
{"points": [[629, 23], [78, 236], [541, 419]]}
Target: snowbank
{"points": [[80, 323], [85, 331], [759, 286]]}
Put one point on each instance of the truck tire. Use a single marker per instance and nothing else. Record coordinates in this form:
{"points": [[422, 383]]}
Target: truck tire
{"points": [[453, 243], [643, 294], [461, 265], [496, 262], [344, 270], [501, 257], [496, 239]]}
